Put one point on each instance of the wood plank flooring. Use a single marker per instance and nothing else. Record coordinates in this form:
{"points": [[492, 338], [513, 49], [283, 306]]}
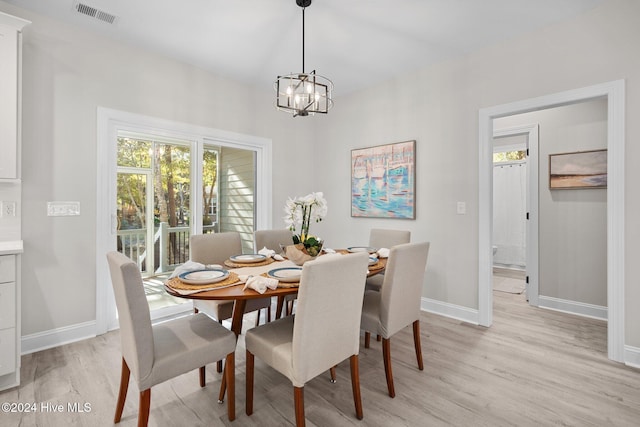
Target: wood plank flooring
{"points": [[533, 367]]}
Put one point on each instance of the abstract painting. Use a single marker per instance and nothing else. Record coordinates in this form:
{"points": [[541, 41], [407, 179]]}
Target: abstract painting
{"points": [[383, 181], [584, 169]]}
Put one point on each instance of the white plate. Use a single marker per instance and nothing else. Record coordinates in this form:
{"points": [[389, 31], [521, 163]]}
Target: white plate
{"points": [[248, 258], [203, 277], [286, 274], [369, 249]]}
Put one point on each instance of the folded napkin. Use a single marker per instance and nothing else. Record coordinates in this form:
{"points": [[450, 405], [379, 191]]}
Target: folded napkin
{"points": [[270, 253], [328, 251], [191, 266], [259, 284], [383, 253]]}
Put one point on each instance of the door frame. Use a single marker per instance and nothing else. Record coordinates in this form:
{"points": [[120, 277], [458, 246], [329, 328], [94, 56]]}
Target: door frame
{"points": [[531, 133], [109, 122], [614, 91]]}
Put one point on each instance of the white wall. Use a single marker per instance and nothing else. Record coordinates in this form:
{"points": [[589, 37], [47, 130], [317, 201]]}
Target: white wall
{"points": [[573, 223], [438, 107], [68, 73]]}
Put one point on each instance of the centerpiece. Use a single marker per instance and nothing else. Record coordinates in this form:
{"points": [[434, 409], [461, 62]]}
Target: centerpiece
{"points": [[302, 211]]}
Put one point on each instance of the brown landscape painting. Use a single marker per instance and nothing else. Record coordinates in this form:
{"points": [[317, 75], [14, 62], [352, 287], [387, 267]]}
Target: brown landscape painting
{"points": [[585, 169]]}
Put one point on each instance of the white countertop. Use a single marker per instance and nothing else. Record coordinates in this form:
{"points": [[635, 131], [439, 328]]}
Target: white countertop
{"points": [[11, 247]]}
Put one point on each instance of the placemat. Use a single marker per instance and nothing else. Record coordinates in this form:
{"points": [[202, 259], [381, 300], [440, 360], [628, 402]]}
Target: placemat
{"points": [[377, 266], [232, 264], [176, 283]]}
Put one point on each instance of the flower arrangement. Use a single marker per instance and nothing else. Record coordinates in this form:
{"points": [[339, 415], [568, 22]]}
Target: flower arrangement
{"points": [[301, 211]]}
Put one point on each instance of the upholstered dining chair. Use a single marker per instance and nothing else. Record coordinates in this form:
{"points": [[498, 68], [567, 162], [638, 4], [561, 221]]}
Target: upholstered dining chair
{"points": [[156, 353], [384, 238], [324, 331], [216, 248], [272, 239], [397, 304]]}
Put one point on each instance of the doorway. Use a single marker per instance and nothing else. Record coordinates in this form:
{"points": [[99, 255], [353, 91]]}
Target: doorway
{"points": [[512, 174], [192, 215], [614, 92]]}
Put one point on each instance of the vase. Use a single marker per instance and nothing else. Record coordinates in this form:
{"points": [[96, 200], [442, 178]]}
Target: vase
{"points": [[298, 254]]}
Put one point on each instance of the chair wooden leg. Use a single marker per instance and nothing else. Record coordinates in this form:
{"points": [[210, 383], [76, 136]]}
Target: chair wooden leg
{"points": [[332, 371], [416, 342], [290, 308], [230, 376], [355, 385], [378, 338], [279, 306], [203, 376], [223, 389], [386, 354], [219, 362], [367, 339], [145, 405], [268, 314], [122, 394], [249, 367], [298, 398], [258, 317]]}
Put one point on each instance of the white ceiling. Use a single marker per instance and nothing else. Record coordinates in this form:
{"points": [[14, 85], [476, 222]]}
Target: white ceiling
{"points": [[354, 43]]}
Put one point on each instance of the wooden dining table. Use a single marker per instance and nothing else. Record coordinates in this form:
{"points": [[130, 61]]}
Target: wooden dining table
{"points": [[240, 296]]}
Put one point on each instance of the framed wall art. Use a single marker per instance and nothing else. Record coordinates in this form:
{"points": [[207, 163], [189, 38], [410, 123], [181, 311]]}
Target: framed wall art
{"points": [[582, 169], [383, 181]]}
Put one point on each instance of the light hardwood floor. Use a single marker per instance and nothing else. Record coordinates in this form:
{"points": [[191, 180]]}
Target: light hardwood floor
{"points": [[533, 367]]}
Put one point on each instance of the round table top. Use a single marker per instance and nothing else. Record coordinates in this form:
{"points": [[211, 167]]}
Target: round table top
{"points": [[236, 292]]}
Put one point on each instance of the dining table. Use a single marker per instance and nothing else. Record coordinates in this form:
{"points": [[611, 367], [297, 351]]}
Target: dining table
{"points": [[240, 296], [237, 293]]}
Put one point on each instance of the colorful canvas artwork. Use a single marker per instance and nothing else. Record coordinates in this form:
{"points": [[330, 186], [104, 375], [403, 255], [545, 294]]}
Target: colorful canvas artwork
{"points": [[383, 181]]}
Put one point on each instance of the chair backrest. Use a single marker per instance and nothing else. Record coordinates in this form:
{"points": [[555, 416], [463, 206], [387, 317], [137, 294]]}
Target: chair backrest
{"points": [[401, 289], [326, 330], [215, 248], [384, 238], [272, 239], [133, 314]]}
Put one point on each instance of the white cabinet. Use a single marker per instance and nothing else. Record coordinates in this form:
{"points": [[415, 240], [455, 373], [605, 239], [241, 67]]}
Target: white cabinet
{"points": [[9, 330], [10, 81]]}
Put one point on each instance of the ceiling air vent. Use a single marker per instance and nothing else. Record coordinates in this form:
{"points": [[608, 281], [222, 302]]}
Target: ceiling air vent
{"points": [[95, 13]]}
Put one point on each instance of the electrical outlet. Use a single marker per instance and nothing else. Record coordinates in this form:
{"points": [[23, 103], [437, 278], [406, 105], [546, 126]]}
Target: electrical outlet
{"points": [[7, 209]]}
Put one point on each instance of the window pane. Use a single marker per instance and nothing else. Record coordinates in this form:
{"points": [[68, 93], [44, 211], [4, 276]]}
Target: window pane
{"points": [[509, 156], [209, 190], [134, 153]]}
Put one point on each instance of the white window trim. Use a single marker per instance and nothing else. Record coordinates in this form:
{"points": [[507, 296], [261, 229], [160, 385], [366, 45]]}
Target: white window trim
{"points": [[109, 122]]}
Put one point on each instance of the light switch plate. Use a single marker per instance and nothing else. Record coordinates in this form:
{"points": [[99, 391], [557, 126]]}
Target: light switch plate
{"points": [[462, 208], [63, 208]]}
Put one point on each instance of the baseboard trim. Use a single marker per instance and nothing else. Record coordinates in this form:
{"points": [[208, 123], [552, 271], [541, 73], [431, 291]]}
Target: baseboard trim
{"points": [[453, 311], [573, 307], [632, 356], [57, 337]]}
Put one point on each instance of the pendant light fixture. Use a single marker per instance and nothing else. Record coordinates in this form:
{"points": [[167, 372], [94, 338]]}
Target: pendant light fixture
{"points": [[303, 94]]}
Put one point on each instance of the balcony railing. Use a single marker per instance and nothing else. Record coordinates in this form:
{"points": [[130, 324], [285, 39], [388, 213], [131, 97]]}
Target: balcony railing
{"points": [[170, 247]]}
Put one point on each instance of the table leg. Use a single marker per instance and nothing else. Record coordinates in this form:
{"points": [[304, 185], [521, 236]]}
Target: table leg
{"points": [[236, 318], [236, 327]]}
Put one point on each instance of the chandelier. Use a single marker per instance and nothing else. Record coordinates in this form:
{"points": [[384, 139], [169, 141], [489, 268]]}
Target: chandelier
{"points": [[303, 94]]}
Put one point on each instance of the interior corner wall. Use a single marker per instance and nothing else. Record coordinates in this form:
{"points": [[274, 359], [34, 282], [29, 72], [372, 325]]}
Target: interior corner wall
{"points": [[572, 222]]}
